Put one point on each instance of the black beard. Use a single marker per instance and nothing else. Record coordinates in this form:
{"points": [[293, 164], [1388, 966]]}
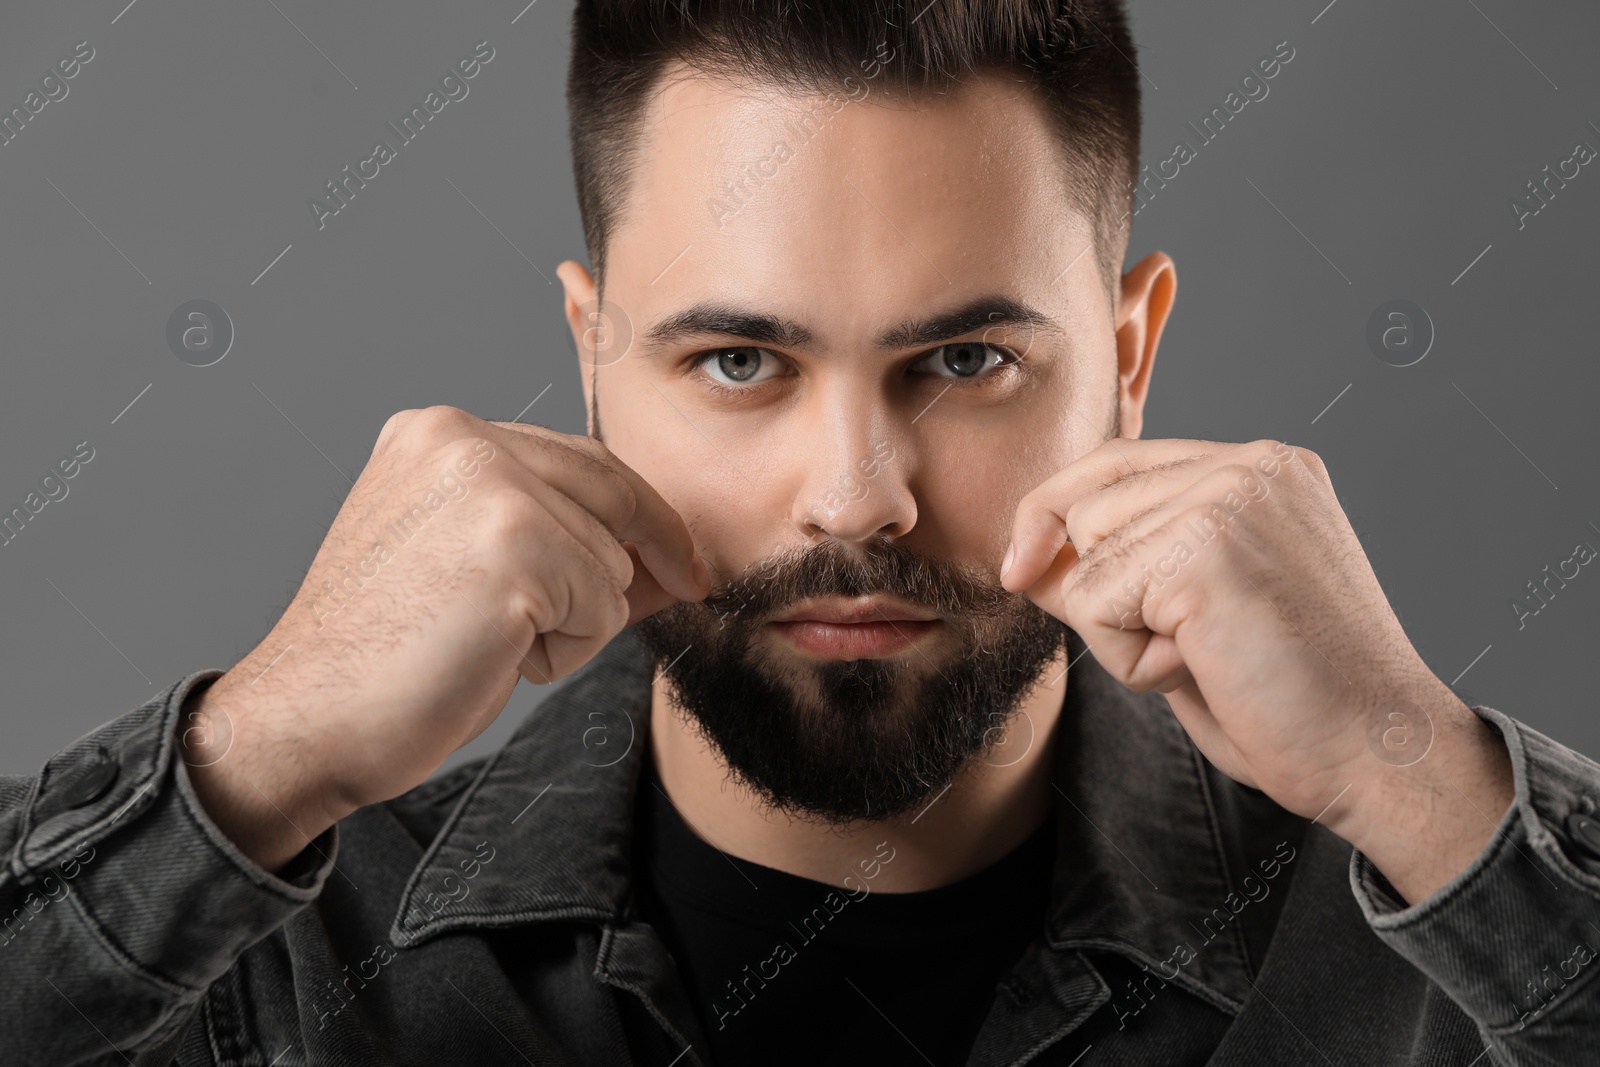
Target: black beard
{"points": [[846, 740]]}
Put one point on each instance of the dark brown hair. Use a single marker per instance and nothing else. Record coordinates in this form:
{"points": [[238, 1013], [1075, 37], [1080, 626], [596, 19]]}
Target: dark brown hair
{"points": [[1076, 53]]}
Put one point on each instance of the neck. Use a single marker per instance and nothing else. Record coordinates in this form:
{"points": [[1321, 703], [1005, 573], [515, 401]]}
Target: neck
{"points": [[990, 809]]}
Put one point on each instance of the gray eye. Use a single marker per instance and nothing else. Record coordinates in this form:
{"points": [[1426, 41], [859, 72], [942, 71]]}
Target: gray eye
{"points": [[967, 358], [739, 364]]}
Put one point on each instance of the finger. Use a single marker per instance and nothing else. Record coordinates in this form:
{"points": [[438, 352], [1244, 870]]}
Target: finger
{"points": [[645, 594], [1039, 528], [1133, 593], [575, 606], [1196, 516], [620, 498], [1048, 591], [1137, 502], [1132, 498], [1130, 652], [585, 528]]}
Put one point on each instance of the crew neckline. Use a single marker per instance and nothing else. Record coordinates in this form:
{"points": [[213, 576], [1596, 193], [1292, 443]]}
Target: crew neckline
{"points": [[701, 876]]}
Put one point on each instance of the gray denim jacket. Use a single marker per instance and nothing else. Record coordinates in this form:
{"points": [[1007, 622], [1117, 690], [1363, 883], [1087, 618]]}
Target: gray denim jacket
{"points": [[486, 916]]}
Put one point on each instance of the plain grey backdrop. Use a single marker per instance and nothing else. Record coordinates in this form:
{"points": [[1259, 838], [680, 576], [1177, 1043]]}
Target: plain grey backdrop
{"points": [[1381, 166]]}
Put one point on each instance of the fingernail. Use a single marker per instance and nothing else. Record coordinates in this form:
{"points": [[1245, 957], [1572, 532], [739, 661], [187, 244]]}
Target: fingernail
{"points": [[1005, 564]]}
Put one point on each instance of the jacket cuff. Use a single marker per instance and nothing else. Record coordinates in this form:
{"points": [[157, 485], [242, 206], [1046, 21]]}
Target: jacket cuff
{"points": [[114, 819], [1513, 937]]}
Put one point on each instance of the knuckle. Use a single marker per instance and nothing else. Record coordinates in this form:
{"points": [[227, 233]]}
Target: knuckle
{"points": [[535, 602], [627, 500], [1312, 461], [437, 421], [509, 519], [397, 420], [393, 427]]}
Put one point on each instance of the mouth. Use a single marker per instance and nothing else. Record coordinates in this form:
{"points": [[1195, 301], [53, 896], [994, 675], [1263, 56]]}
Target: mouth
{"points": [[854, 628]]}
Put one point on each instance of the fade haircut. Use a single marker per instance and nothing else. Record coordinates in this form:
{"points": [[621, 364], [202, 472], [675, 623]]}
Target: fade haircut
{"points": [[1077, 54]]}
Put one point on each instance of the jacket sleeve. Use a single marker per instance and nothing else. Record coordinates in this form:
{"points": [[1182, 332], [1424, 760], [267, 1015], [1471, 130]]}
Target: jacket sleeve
{"points": [[1513, 939], [120, 901]]}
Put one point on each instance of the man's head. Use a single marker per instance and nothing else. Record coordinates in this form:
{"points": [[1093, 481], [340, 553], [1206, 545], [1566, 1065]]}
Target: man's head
{"points": [[851, 316]]}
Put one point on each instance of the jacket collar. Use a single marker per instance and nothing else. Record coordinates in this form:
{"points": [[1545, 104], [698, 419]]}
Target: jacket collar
{"points": [[1139, 859]]}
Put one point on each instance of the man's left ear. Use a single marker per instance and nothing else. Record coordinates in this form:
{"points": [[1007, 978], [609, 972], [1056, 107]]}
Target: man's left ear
{"points": [[1142, 309]]}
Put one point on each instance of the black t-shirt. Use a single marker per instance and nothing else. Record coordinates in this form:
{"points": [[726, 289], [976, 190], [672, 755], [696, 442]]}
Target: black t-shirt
{"points": [[787, 970]]}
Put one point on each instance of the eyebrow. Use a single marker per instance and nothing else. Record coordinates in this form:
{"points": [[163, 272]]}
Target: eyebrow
{"points": [[714, 317]]}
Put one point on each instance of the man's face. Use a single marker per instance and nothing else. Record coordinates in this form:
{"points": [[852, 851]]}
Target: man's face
{"points": [[856, 335]]}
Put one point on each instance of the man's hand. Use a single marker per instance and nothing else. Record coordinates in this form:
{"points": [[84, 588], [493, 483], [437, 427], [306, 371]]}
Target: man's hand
{"points": [[1228, 577], [468, 554]]}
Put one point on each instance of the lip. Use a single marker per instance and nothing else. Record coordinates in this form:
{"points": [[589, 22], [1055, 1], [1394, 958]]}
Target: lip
{"points": [[854, 627], [854, 611], [855, 640]]}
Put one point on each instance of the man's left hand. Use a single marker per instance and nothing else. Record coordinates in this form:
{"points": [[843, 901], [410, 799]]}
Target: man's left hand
{"points": [[1228, 577]]}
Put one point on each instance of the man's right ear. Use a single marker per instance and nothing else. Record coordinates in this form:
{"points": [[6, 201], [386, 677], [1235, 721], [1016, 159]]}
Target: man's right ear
{"points": [[579, 288]]}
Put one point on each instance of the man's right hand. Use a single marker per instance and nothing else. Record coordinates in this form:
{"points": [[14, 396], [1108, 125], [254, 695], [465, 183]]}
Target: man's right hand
{"points": [[467, 555]]}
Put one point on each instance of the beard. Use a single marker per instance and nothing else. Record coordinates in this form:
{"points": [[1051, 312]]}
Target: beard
{"points": [[839, 741]]}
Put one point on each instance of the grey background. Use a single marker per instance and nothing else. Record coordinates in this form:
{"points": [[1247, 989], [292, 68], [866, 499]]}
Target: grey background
{"points": [[180, 163]]}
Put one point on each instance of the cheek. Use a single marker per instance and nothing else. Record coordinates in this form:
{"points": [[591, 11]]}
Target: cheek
{"points": [[727, 478], [971, 487], [732, 516]]}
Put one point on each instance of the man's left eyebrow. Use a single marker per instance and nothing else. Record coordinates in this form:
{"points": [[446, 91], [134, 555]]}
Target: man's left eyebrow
{"points": [[989, 312]]}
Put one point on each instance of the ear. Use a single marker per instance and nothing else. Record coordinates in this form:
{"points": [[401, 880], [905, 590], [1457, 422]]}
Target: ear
{"points": [[580, 293], [1142, 309]]}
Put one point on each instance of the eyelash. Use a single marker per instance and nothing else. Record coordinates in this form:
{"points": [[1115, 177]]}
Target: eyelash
{"points": [[984, 380]]}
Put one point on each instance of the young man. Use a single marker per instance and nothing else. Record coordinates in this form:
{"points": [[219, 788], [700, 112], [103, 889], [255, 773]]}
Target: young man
{"points": [[925, 713]]}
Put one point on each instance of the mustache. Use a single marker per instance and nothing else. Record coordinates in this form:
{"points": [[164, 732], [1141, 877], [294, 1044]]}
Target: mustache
{"points": [[828, 568]]}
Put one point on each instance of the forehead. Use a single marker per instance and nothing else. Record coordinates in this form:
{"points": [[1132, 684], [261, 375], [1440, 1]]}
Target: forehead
{"points": [[844, 207]]}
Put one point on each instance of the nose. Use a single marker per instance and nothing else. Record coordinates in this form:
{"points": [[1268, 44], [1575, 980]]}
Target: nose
{"points": [[856, 486]]}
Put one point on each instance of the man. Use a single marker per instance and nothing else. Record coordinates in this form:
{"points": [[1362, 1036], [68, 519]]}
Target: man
{"points": [[918, 710]]}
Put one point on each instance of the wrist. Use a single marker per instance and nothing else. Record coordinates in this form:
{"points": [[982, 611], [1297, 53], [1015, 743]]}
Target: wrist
{"points": [[258, 790], [1422, 823]]}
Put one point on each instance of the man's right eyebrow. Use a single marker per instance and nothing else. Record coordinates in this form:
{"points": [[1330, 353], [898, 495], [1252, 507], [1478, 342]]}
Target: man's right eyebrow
{"points": [[712, 317]]}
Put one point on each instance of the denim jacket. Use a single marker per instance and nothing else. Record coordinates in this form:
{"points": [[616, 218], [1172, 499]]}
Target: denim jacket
{"points": [[487, 915]]}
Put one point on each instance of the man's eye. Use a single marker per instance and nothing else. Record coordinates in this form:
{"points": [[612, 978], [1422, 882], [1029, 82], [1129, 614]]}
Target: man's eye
{"points": [[740, 366], [964, 359]]}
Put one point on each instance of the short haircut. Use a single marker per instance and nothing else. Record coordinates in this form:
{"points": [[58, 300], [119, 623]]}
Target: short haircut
{"points": [[1077, 54]]}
